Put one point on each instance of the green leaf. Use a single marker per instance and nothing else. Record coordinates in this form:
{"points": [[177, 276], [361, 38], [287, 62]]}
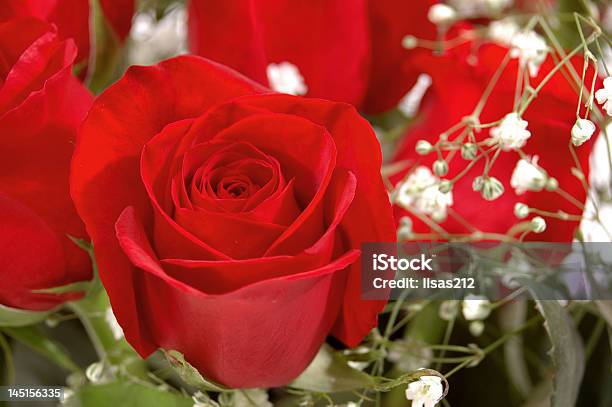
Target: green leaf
{"points": [[330, 373], [34, 338], [13, 317], [106, 52], [567, 352], [190, 374], [126, 394], [80, 286]]}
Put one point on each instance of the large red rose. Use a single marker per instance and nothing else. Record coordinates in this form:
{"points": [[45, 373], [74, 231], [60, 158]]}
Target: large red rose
{"points": [[72, 18], [457, 88], [227, 220], [345, 50], [41, 105]]}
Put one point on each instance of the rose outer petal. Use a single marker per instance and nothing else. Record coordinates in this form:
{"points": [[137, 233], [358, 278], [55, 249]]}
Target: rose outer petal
{"points": [[212, 330]]}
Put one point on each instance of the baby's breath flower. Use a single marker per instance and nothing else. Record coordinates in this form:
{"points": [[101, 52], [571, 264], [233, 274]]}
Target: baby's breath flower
{"points": [[285, 77], [527, 176], [531, 50], [538, 224], [521, 210], [410, 42], [423, 147], [468, 151], [582, 131], [425, 392], [421, 191], [491, 189], [511, 133], [440, 168], [476, 328], [604, 95], [475, 307], [441, 14], [479, 8], [503, 31]]}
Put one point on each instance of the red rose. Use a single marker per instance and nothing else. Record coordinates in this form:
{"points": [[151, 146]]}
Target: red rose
{"points": [[227, 220], [345, 50], [456, 90], [72, 17], [41, 104]]}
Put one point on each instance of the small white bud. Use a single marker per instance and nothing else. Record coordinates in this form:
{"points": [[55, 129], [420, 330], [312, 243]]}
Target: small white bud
{"points": [[404, 231], [423, 147], [440, 168], [582, 131], [410, 42], [521, 210], [477, 184], [445, 186], [492, 188], [538, 224], [476, 328], [441, 14], [468, 151], [552, 184]]}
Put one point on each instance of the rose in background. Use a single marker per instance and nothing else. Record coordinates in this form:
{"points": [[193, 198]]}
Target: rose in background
{"points": [[227, 220], [72, 18], [534, 168], [343, 50], [41, 105]]}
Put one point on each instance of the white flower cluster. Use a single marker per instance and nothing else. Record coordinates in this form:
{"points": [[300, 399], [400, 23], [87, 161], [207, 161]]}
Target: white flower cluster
{"points": [[604, 95], [511, 133], [425, 392], [477, 8], [421, 191], [531, 50], [527, 176], [285, 77]]}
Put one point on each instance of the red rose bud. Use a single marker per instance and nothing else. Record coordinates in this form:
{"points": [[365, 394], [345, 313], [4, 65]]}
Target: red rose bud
{"points": [[41, 105], [227, 220]]}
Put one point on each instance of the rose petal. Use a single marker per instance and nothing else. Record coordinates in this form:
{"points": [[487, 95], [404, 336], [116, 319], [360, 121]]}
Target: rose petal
{"points": [[173, 308]]}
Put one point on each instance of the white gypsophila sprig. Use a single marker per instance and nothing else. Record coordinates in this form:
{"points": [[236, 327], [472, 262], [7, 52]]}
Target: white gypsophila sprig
{"points": [[475, 307], [527, 176], [441, 14], [425, 392], [503, 31], [604, 95], [285, 77], [582, 131], [511, 133], [409, 104], [421, 191], [531, 50]]}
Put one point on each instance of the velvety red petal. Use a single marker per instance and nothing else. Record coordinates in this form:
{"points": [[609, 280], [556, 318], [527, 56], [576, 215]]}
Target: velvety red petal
{"points": [[35, 154], [327, 40], [31, 257], [106, 175], [370, 217], [225, 349]]}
